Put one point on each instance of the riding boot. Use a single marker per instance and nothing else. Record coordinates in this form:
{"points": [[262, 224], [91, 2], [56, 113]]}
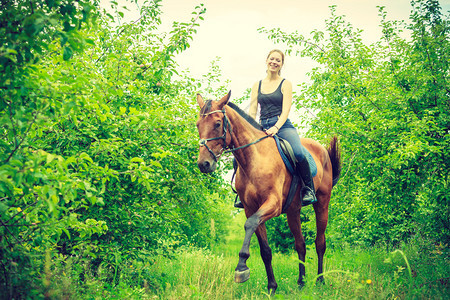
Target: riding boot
{"points": [[238, 203], [308, 191]]}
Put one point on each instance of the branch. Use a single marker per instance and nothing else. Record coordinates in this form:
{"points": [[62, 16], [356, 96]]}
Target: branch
{"points": [[6, 224], [15, 135], [361, 135], [32, 8], [315, 45], [120, 32], [194, 21], [6, 227], [350, 163], [19, 225]]}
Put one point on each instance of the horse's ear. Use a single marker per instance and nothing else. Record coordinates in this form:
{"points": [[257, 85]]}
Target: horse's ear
{"points": [[224, 100], [200, 100]]}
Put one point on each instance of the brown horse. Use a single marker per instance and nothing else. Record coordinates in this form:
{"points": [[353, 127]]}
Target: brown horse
{"points": [[263, 181]]}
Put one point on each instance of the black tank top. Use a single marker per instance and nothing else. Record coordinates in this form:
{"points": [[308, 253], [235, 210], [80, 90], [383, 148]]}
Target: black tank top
{"points": [[271, 104]]}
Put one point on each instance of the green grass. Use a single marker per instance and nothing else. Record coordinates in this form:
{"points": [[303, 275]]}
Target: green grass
{"points": [[414, 271], [351, 273]]}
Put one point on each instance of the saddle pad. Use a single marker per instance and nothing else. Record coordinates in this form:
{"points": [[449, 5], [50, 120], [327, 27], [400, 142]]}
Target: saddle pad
{"points": [[285, 153], [312, 163]]}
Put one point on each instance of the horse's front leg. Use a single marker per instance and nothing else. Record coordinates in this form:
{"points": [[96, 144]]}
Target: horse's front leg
{"points": [[266, 255], [242, 272], [264, 213]]}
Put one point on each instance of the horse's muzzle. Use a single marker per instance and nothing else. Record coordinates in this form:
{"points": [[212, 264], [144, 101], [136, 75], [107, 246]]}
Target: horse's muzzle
{"points": [[207, 166]]}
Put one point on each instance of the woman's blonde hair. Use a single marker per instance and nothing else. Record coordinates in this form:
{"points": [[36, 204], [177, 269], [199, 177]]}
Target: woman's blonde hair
{"points": [[282, 57]]}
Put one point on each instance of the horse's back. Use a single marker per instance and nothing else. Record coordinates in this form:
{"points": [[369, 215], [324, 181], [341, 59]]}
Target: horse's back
{"points": [[318, 152], [324, 178]]}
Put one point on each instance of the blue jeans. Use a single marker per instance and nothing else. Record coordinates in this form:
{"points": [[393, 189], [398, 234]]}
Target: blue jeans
{"points": [[287, 132]]}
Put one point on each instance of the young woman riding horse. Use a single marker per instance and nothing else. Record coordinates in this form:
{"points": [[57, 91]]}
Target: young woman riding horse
{"points": [[274, 95], [263, 180]]}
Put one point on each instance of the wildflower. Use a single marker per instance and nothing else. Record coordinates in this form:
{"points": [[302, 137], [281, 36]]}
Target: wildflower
{"points": [[368, 281]]}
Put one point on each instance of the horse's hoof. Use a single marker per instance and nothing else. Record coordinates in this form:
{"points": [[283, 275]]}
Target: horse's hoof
{"points": [[320, 281], [272, 290], [241, 276]]}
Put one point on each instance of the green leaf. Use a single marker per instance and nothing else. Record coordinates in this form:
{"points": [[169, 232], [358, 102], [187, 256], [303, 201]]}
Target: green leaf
{"points": [[67, 53], [137, 160], [66, 231]]}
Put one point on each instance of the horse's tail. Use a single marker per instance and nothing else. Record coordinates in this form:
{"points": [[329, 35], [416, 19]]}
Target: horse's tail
{"points": [[335, 157]]}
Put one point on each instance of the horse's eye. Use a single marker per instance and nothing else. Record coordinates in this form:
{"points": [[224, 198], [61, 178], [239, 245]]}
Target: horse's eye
{"points": [[217, 125]]}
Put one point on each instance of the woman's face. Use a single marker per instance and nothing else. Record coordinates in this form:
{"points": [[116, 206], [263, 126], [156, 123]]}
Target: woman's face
{"points": [[274, 62]]}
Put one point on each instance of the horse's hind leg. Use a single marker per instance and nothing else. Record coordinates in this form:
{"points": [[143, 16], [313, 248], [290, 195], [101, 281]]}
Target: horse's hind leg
{"points": [[266, 255], [321, 211], [294, 223]]}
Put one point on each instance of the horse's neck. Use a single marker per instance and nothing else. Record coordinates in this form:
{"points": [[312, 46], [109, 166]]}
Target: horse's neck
{"points": [[243, 134]]}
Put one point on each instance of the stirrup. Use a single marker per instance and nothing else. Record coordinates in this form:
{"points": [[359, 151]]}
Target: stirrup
{"points": [[309, 197], [238, 203]]}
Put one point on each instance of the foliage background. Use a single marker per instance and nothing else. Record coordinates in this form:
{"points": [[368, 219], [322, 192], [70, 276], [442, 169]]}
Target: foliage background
{"points": [[98, 142]]}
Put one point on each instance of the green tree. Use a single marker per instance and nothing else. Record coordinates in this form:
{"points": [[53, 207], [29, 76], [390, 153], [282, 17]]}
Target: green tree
{"points": [[98, 140], [38, 189]]}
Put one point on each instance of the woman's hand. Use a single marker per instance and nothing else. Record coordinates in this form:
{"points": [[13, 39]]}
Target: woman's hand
{"points": [[272, 130]]}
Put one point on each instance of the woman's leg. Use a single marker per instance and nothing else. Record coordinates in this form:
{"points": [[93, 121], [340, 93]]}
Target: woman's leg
{"points": [[289, 133]]}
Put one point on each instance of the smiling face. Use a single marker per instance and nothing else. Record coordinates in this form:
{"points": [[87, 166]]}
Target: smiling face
{"points": [[275, 61]]}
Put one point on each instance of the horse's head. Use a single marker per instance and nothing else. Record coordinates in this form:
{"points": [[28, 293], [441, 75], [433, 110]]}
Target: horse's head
{"points": [[213, 126]]}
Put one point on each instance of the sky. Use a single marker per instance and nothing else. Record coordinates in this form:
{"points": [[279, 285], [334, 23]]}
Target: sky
{"points": [[229, 31]]}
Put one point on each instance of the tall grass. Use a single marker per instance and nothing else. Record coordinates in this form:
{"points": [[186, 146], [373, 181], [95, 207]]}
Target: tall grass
{"points": [[419, 270]]}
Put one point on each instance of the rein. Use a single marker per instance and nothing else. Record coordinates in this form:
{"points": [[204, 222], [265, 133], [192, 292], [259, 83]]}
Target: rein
{"points": [[257, 141], [225, 148]]}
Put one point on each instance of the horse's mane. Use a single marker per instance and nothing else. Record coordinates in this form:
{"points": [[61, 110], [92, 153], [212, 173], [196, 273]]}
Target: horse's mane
{"points": [[207, 108], [245, 115]]}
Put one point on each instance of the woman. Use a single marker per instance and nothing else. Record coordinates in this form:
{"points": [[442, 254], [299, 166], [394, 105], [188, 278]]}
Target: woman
{"points": [[274, 95]]}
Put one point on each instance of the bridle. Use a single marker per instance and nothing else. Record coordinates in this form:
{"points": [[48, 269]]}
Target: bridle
{"points": [[225, 147], [226, 124]]}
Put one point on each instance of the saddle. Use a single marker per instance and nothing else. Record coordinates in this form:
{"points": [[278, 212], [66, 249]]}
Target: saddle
{"points": [[287, 155]]}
